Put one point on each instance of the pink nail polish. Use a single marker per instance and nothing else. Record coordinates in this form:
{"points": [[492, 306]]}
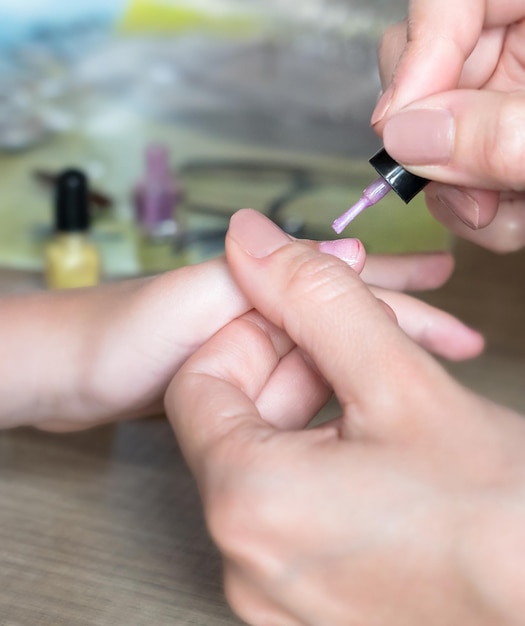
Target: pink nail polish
{"points": [[348, 250]]}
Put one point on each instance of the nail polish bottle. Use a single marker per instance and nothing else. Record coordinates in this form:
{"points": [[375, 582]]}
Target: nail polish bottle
{"points": [[156, 199], [157, 195], [392, 177], [405, 184], [71, 260]]}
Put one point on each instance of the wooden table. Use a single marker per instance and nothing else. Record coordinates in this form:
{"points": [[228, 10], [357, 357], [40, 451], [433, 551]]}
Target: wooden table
{"points": [[105, 528]]}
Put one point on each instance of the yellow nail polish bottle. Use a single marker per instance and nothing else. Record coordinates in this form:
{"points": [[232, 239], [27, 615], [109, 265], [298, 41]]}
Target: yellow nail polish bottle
{"points": [[71, 259]]}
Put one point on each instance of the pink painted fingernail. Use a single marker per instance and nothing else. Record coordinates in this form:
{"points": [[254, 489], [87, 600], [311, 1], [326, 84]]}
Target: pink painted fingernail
{"points": [[463, 205], [257, 235], [350, 251], [382, 106], [420, 137]]}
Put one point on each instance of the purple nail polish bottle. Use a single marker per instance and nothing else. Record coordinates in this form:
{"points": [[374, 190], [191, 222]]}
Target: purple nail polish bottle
{"points": [[157, 195]]}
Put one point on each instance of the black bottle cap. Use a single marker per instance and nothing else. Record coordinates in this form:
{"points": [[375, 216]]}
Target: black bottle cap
{"points": [[72, 202], [405, 184]]}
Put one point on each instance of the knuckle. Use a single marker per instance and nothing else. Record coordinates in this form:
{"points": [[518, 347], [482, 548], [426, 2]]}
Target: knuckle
{"points": [[504, 148], [322, 278], [319, 283]]}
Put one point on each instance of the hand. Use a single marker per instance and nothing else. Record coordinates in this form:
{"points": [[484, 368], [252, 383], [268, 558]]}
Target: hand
{"points": [[93, 356], [148, 328], [406, 510], [453, 111]]}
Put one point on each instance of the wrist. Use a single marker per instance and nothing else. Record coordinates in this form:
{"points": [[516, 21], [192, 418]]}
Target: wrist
{"points": [[47, 336]]}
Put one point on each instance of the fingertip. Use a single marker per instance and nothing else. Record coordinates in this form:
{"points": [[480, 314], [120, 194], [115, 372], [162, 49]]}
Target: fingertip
{"points": [[476, 208], [351, 251], [468, 344], [438, 44], [382, 107], [451, 339]]}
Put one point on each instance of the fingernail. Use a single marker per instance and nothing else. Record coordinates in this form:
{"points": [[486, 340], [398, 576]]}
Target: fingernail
{"points": [[348, 250], [420, 137], [463, 205], [382, 106], [256, 234]]}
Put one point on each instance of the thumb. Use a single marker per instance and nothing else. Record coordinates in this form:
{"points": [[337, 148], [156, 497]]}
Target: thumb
{"points": [[466, 138], [327, 311]]}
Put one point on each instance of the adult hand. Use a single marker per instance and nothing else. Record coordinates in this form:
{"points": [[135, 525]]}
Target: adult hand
{"points": [[408, 509], [453, 110], [92, 356]]}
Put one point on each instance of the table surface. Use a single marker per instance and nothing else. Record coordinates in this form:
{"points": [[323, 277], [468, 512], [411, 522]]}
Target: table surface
{"points": [[105, 528]]}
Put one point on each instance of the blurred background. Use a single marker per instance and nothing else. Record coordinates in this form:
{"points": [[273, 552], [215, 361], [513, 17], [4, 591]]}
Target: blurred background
{"points": [[181, 112]]}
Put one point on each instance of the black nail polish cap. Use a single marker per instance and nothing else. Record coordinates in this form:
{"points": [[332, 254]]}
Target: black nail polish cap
{"points": [[72, 202], [405, 184]]}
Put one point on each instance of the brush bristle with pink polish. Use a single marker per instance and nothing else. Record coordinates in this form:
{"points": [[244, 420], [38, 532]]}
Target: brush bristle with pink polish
{"points": [[344, 220], [371, 195]]}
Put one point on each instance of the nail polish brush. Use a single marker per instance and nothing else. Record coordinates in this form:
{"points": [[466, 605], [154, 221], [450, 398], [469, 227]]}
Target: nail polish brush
{"points": [[392, 177]]}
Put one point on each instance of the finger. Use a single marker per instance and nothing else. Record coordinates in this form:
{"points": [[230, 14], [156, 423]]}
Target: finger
{"points": [[223, 299], [390, 50], [199, 299], [500, 13], [213, 395], [351, 251], [478, 68], [211, 300], [433, 329], [207, 288], [294, 393], [410, 272], [475, 208], [482, 63], [464, 138], [154, 410], [326, 309], [506, 233], [438, 44]]}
